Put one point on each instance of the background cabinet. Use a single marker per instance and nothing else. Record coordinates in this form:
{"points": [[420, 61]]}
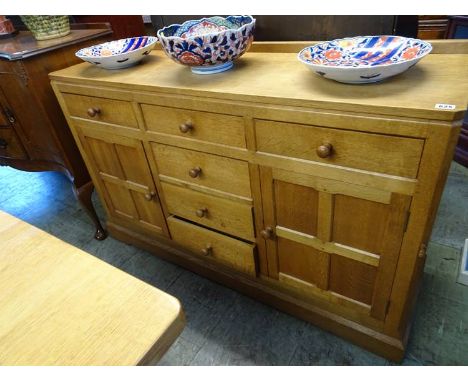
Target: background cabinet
{"points": [[34, 135]]}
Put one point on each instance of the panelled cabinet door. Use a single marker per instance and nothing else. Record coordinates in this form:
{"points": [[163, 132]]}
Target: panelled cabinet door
{"points": [[336, 240], [122, 170]]}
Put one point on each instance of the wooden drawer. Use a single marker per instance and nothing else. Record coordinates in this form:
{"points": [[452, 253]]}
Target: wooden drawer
{"points": [[231, 252], [213, 171], [373, 152], [208, 127], [225, 215], [10, 146], [110, 110]]}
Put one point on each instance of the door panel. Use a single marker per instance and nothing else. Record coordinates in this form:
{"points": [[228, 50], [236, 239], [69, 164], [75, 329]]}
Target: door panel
{"points": [[303, 262], [337, 238], [121, 169]]}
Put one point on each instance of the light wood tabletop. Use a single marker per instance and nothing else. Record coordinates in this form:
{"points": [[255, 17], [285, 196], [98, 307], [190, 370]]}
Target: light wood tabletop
{"points": [[272, 78], [61, 306]]}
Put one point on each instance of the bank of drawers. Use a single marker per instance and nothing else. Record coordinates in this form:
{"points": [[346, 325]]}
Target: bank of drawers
{"points": [[208, 196]]}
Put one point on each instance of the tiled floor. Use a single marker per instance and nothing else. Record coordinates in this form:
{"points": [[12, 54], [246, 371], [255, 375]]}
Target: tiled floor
{"points": [[227, 328]]}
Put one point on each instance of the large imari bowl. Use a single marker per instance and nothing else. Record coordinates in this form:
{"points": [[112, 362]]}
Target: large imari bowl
{"points": [[364, 59], [118, 54], [209, 45]]}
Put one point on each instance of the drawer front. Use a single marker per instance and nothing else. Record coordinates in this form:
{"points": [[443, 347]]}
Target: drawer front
{"points": [[225, 215], [207, 127], [10, 146], [231, 252], [373, 152], [101, 109], [213, 171]]}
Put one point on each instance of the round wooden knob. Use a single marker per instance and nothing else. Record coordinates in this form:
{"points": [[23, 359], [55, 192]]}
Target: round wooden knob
{"points": [[267, 233], [208, 250], [186, 127], [194, 172], [93, 111], [325, 150], [201, 212], [150, 195]]}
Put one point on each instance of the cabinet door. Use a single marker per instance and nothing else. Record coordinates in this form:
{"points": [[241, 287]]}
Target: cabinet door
{"points": [[335, 240], [120, 167]]}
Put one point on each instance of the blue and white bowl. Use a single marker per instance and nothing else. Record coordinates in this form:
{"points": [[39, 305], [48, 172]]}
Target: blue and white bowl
{"points": [[364, 59], [118, 54], [209, 45]]}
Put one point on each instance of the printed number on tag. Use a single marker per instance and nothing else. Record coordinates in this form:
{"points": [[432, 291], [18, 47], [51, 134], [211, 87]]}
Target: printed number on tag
{"points": [[444, 106]]}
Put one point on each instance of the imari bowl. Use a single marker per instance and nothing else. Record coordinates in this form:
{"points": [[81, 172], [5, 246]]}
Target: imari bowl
{"points": [[209, 45], [364, 59], [118, 54]]}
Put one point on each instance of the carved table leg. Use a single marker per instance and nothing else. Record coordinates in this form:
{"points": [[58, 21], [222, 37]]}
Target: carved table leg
{"points": [[83, 194]]}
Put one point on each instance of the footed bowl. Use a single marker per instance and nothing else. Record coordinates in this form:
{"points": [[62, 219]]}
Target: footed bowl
{"points": [[209, 45], [118, 54], [364, 59]]}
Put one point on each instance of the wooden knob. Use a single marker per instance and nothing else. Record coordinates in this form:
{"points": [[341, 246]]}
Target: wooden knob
{"points": [[208, 250], [194, 172], [93, 111], [186, 127], [150, 195], [3, 144], [325, 150], [267, 233], [201, 212]]}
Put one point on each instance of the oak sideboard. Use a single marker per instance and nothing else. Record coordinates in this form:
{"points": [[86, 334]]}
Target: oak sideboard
{"points": [[313, 196]]}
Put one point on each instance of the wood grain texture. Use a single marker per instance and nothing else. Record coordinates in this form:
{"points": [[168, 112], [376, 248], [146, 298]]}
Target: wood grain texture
{"points": [[110, 111], [63, 306], [216, 128], [224, 174], [231, 252], [349, 148], [411, 94], [222, 214]]}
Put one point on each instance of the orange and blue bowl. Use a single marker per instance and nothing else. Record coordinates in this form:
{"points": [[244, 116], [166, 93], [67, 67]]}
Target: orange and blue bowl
{"points": [[118, 54], [364, 59]]}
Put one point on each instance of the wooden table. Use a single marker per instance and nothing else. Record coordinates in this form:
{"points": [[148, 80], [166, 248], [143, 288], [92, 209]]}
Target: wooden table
{"points": [[61, 306]]}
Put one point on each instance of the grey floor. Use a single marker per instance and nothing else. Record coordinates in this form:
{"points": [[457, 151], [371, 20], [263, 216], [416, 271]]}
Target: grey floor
{"points": [[227, 328]]}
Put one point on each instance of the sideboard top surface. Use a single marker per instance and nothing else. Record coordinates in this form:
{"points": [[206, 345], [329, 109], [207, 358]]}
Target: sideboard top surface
{"points": [[279, 78]]}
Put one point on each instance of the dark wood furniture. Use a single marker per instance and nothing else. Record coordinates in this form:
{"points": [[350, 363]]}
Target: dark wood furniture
{"points": [[34, 135], [123, 26], [458, 28], [432, 27], [308, 27]]}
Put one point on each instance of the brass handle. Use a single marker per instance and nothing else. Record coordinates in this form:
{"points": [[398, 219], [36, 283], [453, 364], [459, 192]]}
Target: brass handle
{"points": [[208, 250], [201, 212], [325, 150], [3, 144], [150, 195], [93, 111], [186, 127], [267, 233], [195, 172]]}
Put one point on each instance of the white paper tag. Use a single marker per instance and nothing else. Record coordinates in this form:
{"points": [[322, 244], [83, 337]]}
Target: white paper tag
{"points": [[444, 106]]}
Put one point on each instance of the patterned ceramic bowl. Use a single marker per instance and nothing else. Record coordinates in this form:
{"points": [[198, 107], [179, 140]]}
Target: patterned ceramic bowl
{"points": [[209, 45], [118, 54], [364, 59]]}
